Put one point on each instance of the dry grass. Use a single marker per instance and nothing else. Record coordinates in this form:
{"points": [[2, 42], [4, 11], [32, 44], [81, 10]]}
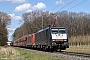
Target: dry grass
{"points": [[79, 40], [8, 51], [82, 49]]}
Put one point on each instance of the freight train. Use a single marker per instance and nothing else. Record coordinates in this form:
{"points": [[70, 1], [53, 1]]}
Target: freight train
{"points": [[49, 39]]}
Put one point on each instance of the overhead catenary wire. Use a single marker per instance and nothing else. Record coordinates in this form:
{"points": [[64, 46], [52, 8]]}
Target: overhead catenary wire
{"points": [[67, 5], [77, 4], [57, 6]]}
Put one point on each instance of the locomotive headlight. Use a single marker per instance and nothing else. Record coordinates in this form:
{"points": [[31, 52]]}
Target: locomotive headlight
{"points": [[65, 40], [53, 40]]}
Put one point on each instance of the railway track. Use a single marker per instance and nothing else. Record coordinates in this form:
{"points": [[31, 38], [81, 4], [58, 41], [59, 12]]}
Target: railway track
{"points": [[81, 55], [71, 55]]}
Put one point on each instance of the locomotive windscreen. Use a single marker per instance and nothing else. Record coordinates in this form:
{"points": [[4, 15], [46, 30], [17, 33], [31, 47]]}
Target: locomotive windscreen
{"points": [[58, 31], [62, 31], [54, 31]]}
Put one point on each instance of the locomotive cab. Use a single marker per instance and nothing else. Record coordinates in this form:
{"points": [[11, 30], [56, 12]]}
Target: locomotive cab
{"points": [[59, 37]]}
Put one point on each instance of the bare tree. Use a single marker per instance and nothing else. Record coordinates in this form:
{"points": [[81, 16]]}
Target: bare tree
{"points": [[4, 21]]}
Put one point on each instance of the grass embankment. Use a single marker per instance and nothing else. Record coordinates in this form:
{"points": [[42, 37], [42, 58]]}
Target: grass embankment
{"points": [[79, 44], [10, 53], [80, 49]]}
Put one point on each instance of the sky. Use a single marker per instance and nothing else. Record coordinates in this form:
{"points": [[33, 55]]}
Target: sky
{"points": [[15, 8]]}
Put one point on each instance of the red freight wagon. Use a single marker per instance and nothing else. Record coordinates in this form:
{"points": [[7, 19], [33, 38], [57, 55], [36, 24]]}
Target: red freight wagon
{"points": [[31, 40], [25, 39]]}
